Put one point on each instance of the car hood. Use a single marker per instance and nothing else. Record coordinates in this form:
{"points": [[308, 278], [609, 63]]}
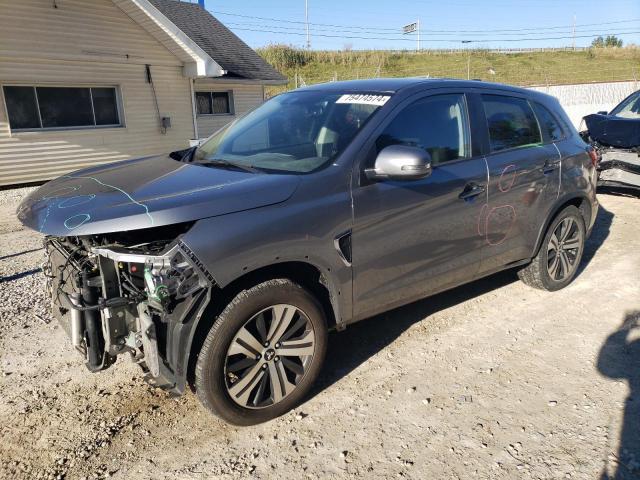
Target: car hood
{"points": [[614, 131], [148, 192]]}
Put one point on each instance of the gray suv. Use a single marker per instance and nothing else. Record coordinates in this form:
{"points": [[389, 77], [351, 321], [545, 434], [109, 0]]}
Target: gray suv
{"points": [[223, 267]]}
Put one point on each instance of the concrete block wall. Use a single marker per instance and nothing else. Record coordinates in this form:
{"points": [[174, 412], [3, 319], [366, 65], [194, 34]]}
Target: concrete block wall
{"points": [[582, 99]]}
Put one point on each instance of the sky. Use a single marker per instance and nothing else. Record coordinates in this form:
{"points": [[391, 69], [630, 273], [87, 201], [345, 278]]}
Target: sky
{"points": [[377, 24]]}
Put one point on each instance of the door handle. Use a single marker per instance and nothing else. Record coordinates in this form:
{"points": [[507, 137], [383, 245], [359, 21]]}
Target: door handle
{"points": [[550, 165], [471, 190]]}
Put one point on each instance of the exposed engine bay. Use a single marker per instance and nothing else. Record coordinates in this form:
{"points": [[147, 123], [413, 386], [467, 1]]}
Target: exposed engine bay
{"points": [[127, 293], [122, 266]]}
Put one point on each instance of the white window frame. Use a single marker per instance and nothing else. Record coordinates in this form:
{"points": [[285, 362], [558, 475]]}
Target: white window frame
{"points": [[119, 106], [232, 107]]}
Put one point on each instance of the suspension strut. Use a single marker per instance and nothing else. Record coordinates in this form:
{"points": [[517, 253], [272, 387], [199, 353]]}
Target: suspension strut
{"points": [[93, 330]]}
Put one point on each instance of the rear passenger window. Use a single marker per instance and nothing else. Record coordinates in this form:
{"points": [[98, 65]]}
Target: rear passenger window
{"points": [[550, 127], [511, 122], [437, 124]]}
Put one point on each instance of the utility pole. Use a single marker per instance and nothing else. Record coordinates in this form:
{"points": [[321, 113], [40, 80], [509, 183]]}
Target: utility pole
{"points": [[418, 35], [306, 21], [468, 59], [573, 44]]}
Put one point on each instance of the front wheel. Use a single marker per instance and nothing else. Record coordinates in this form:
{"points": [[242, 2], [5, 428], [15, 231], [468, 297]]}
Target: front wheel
{"points": [[262, 354], [558, 259]]}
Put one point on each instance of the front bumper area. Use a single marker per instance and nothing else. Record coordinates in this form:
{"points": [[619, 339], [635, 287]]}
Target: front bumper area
{"points": [[113, 300], [619, 168]]}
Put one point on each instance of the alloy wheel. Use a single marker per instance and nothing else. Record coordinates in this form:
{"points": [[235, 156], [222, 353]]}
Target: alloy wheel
{"points": [[269, 356], [564, 249]]}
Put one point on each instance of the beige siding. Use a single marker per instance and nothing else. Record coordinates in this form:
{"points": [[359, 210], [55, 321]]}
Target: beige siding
{"points": [[245, 97], [87, 43], [85, 30]]}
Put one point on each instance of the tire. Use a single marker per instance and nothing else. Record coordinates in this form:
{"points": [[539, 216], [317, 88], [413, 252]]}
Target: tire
{"points": [[545, 271], [246, 386]]}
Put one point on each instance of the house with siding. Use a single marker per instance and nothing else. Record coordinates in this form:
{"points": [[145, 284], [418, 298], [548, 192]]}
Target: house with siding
{"points": [[85, 82]]}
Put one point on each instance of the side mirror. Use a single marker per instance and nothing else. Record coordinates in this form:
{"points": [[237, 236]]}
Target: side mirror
{"points": [[603, 112], [400, 162]]}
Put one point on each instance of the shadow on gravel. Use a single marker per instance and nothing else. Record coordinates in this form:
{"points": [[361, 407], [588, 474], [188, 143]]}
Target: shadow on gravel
{"points": [[619, 359], [17, 276], [598, 236], [348, 349]]}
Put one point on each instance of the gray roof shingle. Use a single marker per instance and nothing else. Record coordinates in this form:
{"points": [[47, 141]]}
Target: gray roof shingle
{"points": [[231, 53]]}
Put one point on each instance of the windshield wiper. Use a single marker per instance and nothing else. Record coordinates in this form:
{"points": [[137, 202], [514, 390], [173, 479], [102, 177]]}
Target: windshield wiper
{"points": [[218, 162]]}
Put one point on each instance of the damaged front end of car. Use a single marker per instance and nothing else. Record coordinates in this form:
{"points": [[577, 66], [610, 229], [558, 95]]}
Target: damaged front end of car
{"points": [[129, 293], [616, 139], [619, 167], [123, 269]]}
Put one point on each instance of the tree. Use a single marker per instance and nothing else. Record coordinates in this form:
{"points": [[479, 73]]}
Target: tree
{"points": [[612, 41], [609, 41]]}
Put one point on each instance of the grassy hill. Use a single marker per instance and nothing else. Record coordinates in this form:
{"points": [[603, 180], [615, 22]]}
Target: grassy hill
{"points": [[542, 67]]}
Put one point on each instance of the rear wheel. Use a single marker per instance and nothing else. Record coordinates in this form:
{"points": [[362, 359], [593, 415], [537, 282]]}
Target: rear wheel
{"points": [[262, 354], [557, 261]]}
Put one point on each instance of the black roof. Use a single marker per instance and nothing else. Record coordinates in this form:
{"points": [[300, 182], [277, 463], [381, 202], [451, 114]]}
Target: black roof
{"points": [[393, 85], [231, 53], [389, 85]]}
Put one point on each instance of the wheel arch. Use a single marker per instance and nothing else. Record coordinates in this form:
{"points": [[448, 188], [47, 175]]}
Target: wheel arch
{"points": [[304, 273], [581, 202]]}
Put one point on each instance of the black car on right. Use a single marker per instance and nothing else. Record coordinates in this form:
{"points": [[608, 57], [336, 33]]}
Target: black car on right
{"points": [[616, 137]]}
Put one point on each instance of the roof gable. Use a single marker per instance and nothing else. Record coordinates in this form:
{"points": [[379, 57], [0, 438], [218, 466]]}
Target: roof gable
{"points": [[197, 63], [232, 54]]}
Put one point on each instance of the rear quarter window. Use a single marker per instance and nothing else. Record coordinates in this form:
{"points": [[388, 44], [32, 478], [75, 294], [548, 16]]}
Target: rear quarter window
{"points": [[511, 122], [549, 124]]}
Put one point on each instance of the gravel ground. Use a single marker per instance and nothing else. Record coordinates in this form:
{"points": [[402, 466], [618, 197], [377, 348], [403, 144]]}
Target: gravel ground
{"points": [[490, 380]]}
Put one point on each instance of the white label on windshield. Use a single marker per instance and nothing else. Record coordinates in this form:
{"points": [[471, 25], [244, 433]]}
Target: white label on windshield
{"points": [[365, 99]]}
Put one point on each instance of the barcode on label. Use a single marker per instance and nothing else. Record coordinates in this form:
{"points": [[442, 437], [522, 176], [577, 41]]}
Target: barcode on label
{"points": [[364, 99]]}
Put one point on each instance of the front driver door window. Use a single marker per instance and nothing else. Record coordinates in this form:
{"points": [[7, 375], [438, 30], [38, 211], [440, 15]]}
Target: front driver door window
{"points": [[438, 124], [413, 237]]}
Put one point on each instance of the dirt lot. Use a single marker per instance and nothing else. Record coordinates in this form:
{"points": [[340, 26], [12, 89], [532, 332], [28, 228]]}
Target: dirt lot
{"points": [[491, 380]]}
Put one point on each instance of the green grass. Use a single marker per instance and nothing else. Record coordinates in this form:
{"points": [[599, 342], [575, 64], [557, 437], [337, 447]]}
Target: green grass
{"points": [[530, 68]]}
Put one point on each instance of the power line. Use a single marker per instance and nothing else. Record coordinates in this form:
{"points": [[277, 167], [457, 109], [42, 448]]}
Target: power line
{"points": [[453, 40], [281, 20], [312, 29]]}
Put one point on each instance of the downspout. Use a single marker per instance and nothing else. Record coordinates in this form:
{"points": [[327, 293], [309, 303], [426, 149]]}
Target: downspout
{"points": [[161, 119], [193, 110]]}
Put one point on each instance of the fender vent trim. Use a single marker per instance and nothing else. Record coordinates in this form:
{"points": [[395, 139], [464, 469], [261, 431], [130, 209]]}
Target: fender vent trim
{"points": [[342, 243]]}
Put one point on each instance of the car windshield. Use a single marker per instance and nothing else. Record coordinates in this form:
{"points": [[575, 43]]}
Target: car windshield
{"points": [[629, 108], [296, 132]]}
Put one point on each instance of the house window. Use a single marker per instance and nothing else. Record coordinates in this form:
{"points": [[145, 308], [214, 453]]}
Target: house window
{"points": [[38, 108], [214, 103]]}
